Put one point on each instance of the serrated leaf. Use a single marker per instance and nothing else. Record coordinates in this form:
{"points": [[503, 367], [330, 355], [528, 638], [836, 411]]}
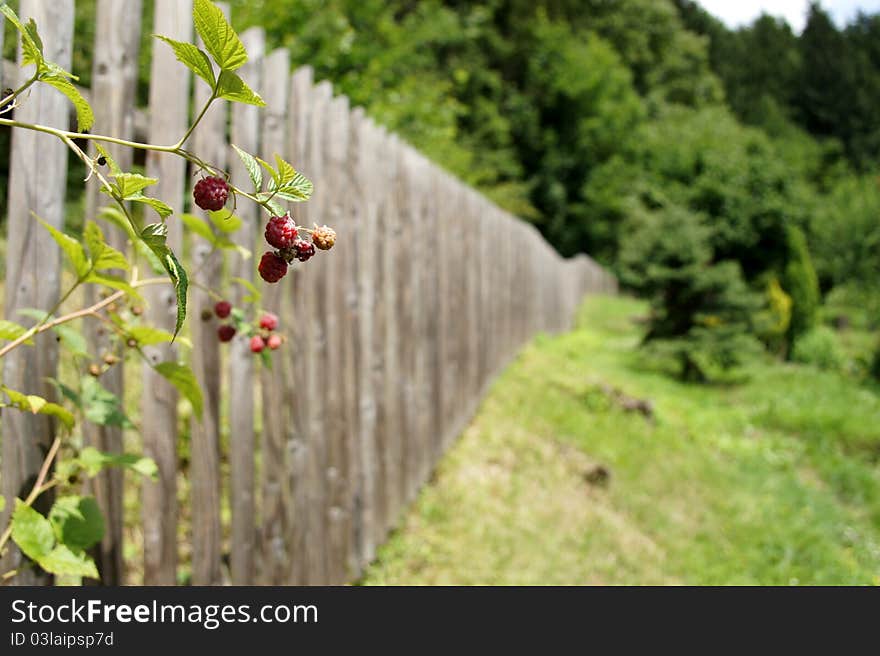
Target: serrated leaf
{"points": [[275, 206], [286, 172], [38, 405], [71, 247], [217, 34], [129, 185], [276, 177], [198, 226], [196, 60], [154, 236], [31, 531], [64, 560], [231, 87], [183, 378], [10, 330], [104, 256], [85, 118], [113, 282], [162, 208], [298, 189], [225, 221], [111, 163], [93, 461], [148, 336], [32, 51], [77, 521], [101, 406], [253, 169]]}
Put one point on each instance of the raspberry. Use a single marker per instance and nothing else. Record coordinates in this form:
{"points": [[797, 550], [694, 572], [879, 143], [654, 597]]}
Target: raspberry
{"points": [[222, 309], [324, 237], [226, 333], [268, 321], [304, 249], [257, 344], [272, 267], [94, 370], [274, 341], [281, 231], [211, 193]]}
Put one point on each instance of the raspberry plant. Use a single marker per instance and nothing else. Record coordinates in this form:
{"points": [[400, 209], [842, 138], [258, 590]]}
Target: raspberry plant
{"points": [[59, 541]]}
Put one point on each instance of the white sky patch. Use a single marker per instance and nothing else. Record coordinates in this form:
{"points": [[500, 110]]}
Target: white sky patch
{"points": [[742, 12]]}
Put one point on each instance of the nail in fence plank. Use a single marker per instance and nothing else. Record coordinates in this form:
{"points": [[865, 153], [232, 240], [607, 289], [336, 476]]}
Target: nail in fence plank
{"points": [[297, 325], [38, 165], [209, 142], [245, 135], [114, 84], [276, 552]]}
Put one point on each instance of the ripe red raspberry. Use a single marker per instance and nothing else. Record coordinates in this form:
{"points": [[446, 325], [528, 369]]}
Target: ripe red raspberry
{"points": [[272, 267], [274, 341], [268, 321], [257, 344], [323, 237], [222, 309], [211, 193], [304, 249], [281, 231], [226, 333]]}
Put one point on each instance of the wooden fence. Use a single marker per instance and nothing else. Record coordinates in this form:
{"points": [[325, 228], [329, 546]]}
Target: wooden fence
{"points": [[394, 334]]}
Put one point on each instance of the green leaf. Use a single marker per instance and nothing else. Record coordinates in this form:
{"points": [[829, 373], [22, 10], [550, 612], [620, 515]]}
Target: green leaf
{"points": [[266, 357], [72, 339], [85, 118], [148, 336], [101, 406], [253, 169], [93, 461], [150, 256], [154, 236], [113, 282], [218, 36], [183, 378], [198, 226], [103, 255], [231, 87], [286, 172], [299, 189], [276, 177], [225, 221], [71, 247], [31, 531], [130, 184], [11, 331], [162, 208], [70, 394], [64, 560], [275, 206], [77, 521], [193, 58], [2, 503], [38, 405], [32, 50]]}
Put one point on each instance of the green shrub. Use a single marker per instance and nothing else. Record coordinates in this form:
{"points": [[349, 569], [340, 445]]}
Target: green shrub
{"points": [[819, 347], [801, 283]]}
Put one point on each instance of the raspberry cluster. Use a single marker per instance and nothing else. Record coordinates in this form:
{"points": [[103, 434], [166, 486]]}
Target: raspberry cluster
{"points": [[262, 335], [282, 234], [267, 338]]}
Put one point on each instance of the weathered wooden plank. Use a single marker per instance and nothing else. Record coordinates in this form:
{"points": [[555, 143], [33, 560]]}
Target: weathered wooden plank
{"points": [[275, 549], [38, 164], [114, 83], [245, 135], [159, 400], [315, 272], [298, 327], [209, 142]]}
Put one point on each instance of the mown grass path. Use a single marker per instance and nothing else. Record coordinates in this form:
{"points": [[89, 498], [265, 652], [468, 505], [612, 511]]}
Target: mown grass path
{"points": [[773, 480]]}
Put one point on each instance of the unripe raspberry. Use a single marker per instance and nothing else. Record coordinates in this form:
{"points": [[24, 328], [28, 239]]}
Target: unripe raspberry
{"points": [[110, 359], [304, 249], [257, 344], [281, 231], [225, 333], [222, 309], [274, 341], [268, 321], [323, 237], [211, 193], [94, 370], [272, 267], [137, 310], [207, 315]]}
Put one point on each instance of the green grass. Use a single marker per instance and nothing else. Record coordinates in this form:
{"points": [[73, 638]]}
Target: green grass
{"points": [[772, 480]]}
